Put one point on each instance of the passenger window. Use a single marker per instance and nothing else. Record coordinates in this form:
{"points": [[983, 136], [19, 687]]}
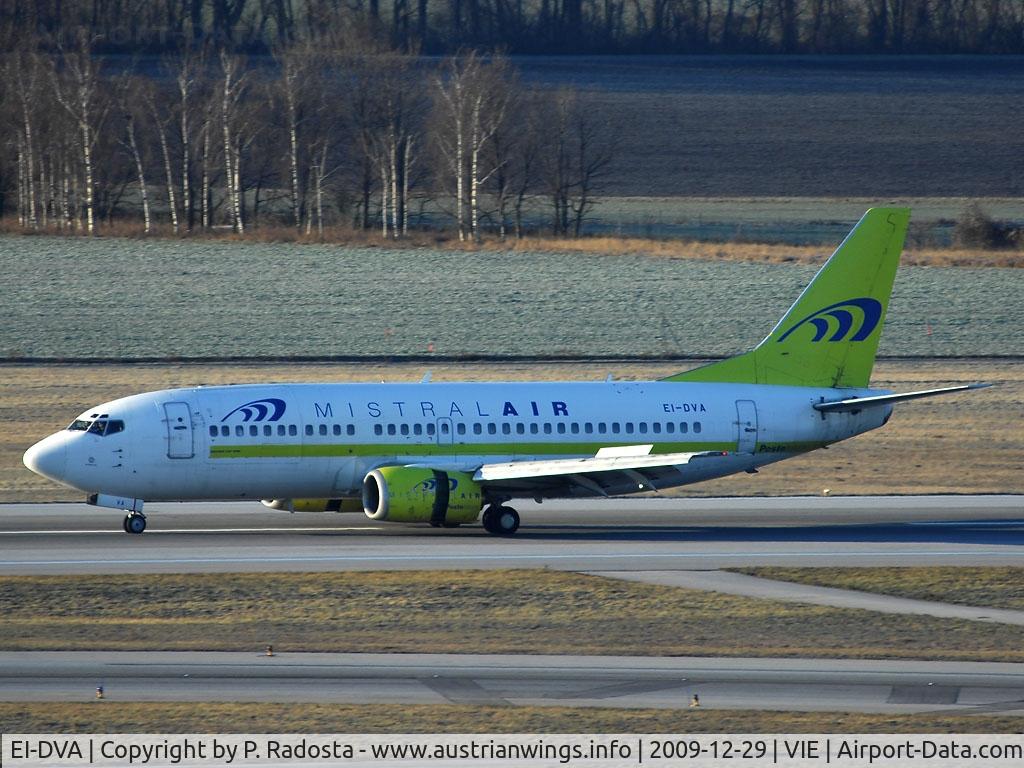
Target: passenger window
{"points": [[430, 429], [293, 430], [520, 428], [492, 428], [213, 431], [547, 428], [225, 431], [378, 429], [683, 427], [561, 427], [670, 428], [642, 427], [696, 427], [254, 431], [350, 429], [391, 429], [460, 428], [445, 429], [336, 429], [404, 429], [506, 428], [629, 427], [588, 428], [280, 430], [267, 430], [417, 429], [534, 429], [309, 429], [601, 427], [615, 427], [574, 428], [239, 431], [656, 427], [323, 429]]}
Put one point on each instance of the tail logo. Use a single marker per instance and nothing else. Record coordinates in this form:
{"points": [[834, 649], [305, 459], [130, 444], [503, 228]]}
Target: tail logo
{"points": [[268, 409], [839, 319]]}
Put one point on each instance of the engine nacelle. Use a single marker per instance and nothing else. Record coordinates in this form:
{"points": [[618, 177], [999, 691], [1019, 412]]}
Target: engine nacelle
{"points": [[350, 504], [415, 495]]}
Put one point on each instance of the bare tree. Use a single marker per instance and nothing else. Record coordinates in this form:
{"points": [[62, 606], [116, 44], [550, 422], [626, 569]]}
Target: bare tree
{"points": [[232, 90], [78, 91], [579, 152], [473, 100], [128, 97]]}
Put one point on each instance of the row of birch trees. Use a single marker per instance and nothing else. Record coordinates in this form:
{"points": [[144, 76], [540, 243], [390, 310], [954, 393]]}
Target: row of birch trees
{"points": [[314, 137]]}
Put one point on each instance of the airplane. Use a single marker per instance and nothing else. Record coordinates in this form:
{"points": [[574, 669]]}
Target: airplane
{"points": [[443, 453]]}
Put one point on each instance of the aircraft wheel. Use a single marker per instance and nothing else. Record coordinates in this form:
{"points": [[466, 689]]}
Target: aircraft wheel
{"points": [[135, 523], [501, 521]]}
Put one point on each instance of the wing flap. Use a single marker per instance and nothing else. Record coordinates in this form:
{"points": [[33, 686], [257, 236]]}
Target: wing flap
{"points": [[523, 470]]}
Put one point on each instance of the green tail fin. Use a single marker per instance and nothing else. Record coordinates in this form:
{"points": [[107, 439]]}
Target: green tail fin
{"points": [[829, 337]]}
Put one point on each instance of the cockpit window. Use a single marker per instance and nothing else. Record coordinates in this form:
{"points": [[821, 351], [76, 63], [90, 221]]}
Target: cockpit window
{"points": [[101, 427]]}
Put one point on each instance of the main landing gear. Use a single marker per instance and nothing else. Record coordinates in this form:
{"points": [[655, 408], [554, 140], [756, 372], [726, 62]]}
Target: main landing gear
{"points": [[134, 522], [501, 521]]}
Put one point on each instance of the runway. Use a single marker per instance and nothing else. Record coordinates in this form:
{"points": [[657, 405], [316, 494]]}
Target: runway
{"points": [[614, 681], [603, 535]]}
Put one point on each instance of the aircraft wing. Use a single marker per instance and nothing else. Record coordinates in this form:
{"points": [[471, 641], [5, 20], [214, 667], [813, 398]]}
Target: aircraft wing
{"points": [[859, 403], [612, 470]]}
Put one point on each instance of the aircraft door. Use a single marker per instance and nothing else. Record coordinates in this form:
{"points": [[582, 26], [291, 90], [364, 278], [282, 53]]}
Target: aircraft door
{"points": [[179, 431], [445, 431], [746, 424]]}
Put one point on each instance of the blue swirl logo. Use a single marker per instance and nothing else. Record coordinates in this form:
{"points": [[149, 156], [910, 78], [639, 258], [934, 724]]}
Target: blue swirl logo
{"points": [[840, 320], [430, 485], [267, 409]]}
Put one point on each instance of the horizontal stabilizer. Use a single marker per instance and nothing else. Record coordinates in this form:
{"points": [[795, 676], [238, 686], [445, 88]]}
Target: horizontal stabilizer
{"points": [[859, 403]]}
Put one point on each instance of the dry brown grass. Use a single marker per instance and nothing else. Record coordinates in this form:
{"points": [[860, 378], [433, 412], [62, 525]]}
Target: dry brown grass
{"points": [[775, 253], [518, 612], [205, 717], [965, 443], [990, 586]]}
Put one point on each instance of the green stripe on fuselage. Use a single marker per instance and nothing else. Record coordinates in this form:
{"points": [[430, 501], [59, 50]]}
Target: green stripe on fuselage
{"points": [[292, 451]]}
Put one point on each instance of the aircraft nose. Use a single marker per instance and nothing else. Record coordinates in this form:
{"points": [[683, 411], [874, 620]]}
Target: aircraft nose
{"points": [[48, 457]]}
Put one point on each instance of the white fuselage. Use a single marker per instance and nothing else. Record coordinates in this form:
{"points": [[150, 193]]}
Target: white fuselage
{"points": [[320, 440]]}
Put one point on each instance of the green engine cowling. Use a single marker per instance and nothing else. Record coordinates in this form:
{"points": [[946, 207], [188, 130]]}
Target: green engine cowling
{"points": [[416, 495]]}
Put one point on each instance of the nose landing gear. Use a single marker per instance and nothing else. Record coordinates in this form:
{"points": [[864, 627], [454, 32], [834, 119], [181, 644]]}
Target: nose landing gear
{"points": [[134, 522]]}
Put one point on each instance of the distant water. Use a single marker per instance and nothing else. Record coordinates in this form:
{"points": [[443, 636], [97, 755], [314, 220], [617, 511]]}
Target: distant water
{"points": [[126, 298]]}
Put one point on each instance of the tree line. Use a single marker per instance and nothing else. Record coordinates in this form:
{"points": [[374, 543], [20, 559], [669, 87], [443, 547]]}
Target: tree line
{"points": [[364, 137], [541, 26]]}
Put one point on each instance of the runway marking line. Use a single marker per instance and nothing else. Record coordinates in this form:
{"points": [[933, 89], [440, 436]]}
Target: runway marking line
{"points": [[192, 530], [494, 557]]}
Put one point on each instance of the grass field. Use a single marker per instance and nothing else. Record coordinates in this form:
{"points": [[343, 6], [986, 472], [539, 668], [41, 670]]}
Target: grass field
{"points": [[202, 717], [969, 443], [991, 587], [463, 612]]}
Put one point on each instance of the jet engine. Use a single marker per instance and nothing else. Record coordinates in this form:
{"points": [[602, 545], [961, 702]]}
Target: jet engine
{"points": [[416, 495]]}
